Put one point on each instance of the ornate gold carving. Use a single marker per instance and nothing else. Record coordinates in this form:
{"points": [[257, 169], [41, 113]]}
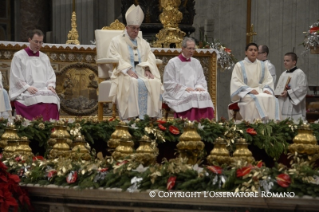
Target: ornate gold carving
{"points": [[73, 35], [242, 152], [23, 147], [220, 153], [116, 136], [77, 88], [190, 145], [125, 148], [147, 151], [10, 133], [116, 25], [170, 17]]}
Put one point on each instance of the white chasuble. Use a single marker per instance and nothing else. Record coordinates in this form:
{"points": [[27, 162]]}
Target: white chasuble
{"points": [[135, 97], [248, 76], [33, 71], [178, 76], [294, 105]]}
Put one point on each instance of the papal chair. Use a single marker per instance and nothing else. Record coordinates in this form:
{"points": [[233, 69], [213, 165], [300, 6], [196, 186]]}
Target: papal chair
{"points": [[103, 39]]}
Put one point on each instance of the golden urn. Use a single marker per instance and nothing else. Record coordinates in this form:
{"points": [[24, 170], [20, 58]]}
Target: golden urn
{"points": [[120, 131], [242, 152], [304, 142], [10, 150], [23, 147], [80, 149], [219, 153], [124, 149], [10, 133], [190, 145], [147, 152], [60, 149], [60, 130]]}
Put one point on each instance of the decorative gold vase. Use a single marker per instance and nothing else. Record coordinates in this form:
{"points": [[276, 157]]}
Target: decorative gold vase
{"points": [[190, 145], [124, 149], [79, 150], [242, 152], [23, 147], [116, 136], [60, 149], [60, 131], [10, 150], [147, 152], [219, 153], [10, 133], [304, 142]]}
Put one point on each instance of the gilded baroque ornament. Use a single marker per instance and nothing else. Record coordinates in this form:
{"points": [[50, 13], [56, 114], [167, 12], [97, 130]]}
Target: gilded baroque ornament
{"points": [[124, 149], [147, 152], [220, 153], [77, 87], [242, 152], [190, 145], [116, 25], [170, 18], [120, 131], [73, 35]]}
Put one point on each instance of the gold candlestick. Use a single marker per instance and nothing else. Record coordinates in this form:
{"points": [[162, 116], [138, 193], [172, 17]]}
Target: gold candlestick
{"points": [[73, 35]]}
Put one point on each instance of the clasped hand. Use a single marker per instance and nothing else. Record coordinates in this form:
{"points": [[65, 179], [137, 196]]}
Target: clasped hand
{"points": [[148, 74], [196, 89], [256, 92], [33, 90]]}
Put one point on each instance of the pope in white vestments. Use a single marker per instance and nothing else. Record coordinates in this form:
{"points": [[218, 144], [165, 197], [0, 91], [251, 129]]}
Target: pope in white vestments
{"points": [[32, 81], [5, 107], [136, 82], [252, 87], [186, 87], [292, 96]]}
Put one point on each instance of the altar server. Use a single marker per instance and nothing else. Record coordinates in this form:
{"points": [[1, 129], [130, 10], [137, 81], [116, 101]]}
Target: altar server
{"points": [[5, 107], [252, 87], [32, 81], [292, 89]]}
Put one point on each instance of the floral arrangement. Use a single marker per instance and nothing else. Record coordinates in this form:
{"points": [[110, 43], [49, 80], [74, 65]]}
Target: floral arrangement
{"points": [[311, 40], [12, 196]]}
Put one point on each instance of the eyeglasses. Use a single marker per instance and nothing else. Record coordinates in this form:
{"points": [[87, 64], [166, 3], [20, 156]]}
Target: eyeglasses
{"points": [[135, 28], [38, 42], [190, 48]]}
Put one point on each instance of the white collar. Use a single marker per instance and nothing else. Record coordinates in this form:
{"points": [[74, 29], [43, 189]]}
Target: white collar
{"points": [[248, 61]]}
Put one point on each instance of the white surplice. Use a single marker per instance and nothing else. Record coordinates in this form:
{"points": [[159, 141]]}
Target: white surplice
{"points": [[5, 107], [272, 70], [180, 75], [294, 105], [33, 71], [246, 77], [127, 91]]}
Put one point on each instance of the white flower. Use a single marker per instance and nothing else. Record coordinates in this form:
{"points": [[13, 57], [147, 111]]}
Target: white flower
{"points": [[26, 123], [197, 168], [134, 126], [71, 120], [140, 169], [201, 127]]}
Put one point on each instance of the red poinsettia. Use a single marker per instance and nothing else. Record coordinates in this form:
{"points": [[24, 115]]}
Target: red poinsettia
{"points": [[1, 156], [171, 182], [251, 131], [7, 200], [314, 29], [227, 50], [243, 171], [174, 130], [283, 180], [259, 164], [24, 197], [215, 169], [161, 127], [52, 173], [161, 121], [39, 157]]}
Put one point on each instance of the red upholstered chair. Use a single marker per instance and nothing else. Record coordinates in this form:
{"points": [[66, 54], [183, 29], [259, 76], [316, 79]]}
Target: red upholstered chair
{"points": [[166, 108], [234, 107]]}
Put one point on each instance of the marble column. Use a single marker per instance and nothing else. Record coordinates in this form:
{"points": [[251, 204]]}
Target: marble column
{"points": [[31, 14]]}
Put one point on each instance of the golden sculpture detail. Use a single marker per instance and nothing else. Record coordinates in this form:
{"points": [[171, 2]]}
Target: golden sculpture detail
{"points": [[59, 142], [10, 133], [220, 153], [124, 149], [304, 142], [10, 150], [73, 35], [116, 136], [23, 147], [242, 152], [190, 145], [147, 152], [116, 25], [170, 18], [251, 33], [80, 149]]}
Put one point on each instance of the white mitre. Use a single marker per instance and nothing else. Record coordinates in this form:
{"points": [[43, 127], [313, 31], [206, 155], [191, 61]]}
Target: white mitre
{"points": [[134, 15]]}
